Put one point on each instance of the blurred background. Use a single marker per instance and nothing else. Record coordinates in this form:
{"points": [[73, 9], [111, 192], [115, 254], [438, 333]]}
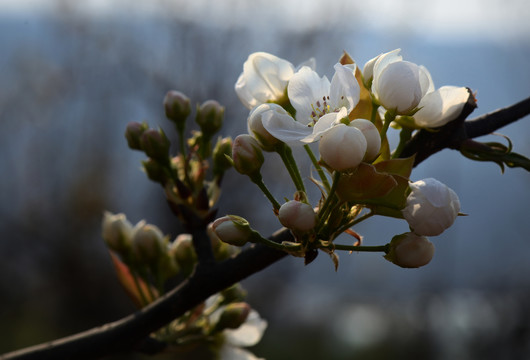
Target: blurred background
{"points": [[73, 74]]}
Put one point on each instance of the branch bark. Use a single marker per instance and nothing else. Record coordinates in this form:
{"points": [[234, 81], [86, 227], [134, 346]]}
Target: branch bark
{"points": [[132, 332]]}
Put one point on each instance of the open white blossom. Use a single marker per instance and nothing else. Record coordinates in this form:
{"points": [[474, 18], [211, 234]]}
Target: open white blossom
{"points": [[319, 104], [404, 86], [264, 78]]}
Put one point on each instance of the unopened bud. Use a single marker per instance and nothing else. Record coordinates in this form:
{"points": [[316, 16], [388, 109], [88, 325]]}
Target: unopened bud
{"points": [[343, 147], [256, 128], [222, 148], [133, 133], [409, 250], [233, 316], [298, 216], [154, 171], [247, 155], [184, 253], [210, 117], [231, 229], [177, 106], [148, 243], [117, 232], [372, 136], [155, 144], [234, 293]]}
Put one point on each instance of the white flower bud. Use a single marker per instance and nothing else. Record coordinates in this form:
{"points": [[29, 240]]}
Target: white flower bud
{"points": [[343, 147], [117, 232], [231, 229], [439, 107], [247, 155], [264, 79], [372, 136], [431, 207], [401, 85], [410, 250], [148, 242], [298, 216], [255, 124]]}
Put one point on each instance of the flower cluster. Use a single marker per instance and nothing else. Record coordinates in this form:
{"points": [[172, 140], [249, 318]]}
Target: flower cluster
{"points": [[359, 176]]}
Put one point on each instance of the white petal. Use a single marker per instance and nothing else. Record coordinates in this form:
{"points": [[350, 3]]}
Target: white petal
{"points": [[344, 89], [398, 86], [324, 124], [310, 63], [228, 352], [427, 85], [384, 59], [283, 127], [306, 88], [441, 106], [248, 334]]}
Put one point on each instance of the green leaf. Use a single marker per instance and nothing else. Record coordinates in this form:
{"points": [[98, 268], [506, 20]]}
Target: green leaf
{"points": [[365, 183], [401, 167]]}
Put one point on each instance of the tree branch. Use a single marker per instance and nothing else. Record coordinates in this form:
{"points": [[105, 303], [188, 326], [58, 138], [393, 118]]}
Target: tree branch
{"points": [[133, 331]]}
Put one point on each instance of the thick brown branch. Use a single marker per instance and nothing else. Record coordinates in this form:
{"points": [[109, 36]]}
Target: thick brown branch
{"points": [[129, 332], [488, 123]]}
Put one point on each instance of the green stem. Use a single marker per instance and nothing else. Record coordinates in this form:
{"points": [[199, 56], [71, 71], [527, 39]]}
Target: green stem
{"points": [[287, 157], [256, 237], [355, 222], [374, 112], [389, 117], [321, 173], [404, 137], [380, 248], [184, 154], [257, 179], [326, 209]]}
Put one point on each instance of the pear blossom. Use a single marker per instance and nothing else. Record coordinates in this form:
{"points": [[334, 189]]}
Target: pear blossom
{"points": [[431, 207], [372, 136], [404, 86], [264, 79], [255, 125], [319, 104], [343, 147]]}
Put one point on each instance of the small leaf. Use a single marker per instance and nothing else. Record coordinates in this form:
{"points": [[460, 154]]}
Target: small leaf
{"points": [[127, 281], [365, 183], [401, 167]]}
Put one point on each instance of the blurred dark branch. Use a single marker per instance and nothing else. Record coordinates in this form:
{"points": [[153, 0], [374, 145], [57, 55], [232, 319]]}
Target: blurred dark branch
{"points": [[452, 135], [132, 332]]}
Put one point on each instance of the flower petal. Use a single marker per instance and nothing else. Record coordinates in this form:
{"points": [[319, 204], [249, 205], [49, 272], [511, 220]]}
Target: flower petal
{"points": [[249, 333], [441, 106], [344, 89], [283, 127], [306, 88], [384, 59]]}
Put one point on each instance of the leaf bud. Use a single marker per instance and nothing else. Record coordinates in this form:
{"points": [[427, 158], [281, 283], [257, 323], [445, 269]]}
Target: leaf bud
{"points": [[232, 316], [222, 149], [148, 243]]}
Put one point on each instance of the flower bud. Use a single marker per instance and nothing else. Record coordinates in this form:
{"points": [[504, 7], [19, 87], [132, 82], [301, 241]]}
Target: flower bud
{"points": [[222, 148], [343, 147], [255, 124], [410, 250], [133, 132], [154, 171], [148, 243], [264, 79], [183, 252], [297, 216], [372, 136], [117, 232], [177, 107], [210, 117], [431, 207], [155, 144], [231, 229], [232, 316], [247, 155]]}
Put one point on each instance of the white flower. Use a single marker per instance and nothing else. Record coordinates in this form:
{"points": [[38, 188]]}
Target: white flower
{"points": [[431, 207], [398, 85], [403, 86], [319, 104], [117, 231], [343, 147], [264, 79], [372, 136], [439, 107]]}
